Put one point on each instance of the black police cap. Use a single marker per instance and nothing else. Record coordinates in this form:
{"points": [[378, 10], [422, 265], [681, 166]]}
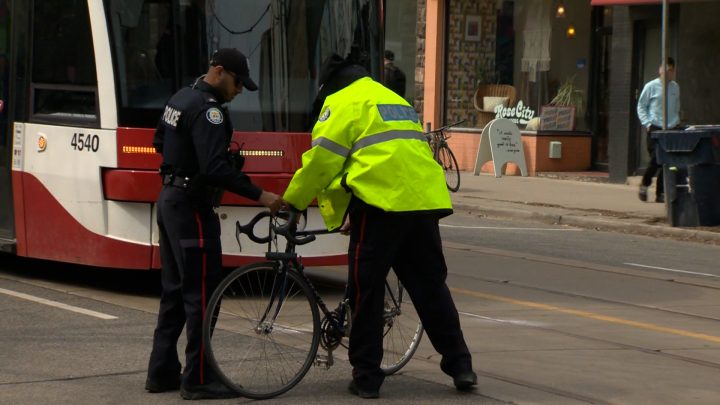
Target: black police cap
{"points": [[233, 60]]}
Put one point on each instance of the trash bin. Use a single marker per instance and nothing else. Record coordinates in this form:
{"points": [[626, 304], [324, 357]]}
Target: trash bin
{"points": [[691, 167]]}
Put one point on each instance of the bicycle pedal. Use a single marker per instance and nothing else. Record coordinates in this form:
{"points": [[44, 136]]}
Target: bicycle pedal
{"points": [[324, 361]]}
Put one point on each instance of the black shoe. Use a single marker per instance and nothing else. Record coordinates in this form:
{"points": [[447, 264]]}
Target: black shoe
{"points": [[213, 390], [465, 381], [642, 194], [157, 386], [660, 198], [363, 393]]}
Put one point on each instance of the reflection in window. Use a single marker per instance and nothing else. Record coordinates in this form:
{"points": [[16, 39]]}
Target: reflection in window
{"points": [[286, 42], [78, 104], [63, 72], [145, 52], [162, 45]]}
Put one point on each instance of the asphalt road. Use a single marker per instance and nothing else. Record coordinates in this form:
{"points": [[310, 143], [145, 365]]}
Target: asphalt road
{"points": [[552, 314]]}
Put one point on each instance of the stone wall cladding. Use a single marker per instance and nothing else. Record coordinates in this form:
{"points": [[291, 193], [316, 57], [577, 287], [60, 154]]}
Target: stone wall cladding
{"points": [[468, 62]]}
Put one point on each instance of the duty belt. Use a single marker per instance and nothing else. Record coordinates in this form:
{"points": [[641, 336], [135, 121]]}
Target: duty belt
{"points": [[176, 181]]}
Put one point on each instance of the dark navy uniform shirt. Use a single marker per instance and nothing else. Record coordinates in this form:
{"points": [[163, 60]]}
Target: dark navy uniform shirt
{"points": [[193, 136]]}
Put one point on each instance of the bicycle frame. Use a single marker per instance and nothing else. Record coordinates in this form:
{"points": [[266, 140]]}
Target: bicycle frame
{"points": [[275, 297], [438, 139], [289, 261]]}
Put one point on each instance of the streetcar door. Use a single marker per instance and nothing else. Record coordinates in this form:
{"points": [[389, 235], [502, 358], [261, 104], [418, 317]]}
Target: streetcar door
{"points": [[7, 229]]}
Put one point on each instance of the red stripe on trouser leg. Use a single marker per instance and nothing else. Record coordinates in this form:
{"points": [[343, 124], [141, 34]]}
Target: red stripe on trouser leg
{"points": [[201, 241], [361, 239]]}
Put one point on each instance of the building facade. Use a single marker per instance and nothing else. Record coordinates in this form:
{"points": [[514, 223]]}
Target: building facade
{"points": [[603, 51]]}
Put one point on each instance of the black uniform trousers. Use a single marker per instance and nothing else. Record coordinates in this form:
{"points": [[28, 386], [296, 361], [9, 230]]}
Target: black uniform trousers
{"points": [[653, 166], [411, 245], [191, 270]]}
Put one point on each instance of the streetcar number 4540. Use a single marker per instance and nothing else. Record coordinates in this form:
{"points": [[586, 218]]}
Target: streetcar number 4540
{"points": [[88, 142]]}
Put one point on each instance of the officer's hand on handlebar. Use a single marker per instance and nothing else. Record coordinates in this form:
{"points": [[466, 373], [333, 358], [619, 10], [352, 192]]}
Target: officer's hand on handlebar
{"points": [[272, 201]]}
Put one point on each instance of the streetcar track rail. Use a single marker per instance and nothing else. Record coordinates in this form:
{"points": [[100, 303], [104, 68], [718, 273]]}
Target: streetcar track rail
{"points": [[597, 299], [585, 266], [692, 281], [542, 388], [624, 346]]}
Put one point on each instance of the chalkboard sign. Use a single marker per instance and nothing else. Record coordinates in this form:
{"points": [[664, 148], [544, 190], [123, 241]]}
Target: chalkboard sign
{"points": [[501, 142], [558, 118]]}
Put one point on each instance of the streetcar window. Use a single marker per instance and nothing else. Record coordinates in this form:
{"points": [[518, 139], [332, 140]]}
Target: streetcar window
{"points": [[286, 42], [64, 81], [160, 46]]}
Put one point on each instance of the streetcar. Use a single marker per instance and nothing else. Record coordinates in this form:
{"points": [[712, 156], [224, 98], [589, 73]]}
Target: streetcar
{"points": [[83, 84]]}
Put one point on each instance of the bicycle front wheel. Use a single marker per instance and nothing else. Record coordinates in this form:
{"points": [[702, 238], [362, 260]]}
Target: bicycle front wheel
{"points": [[450, 166], [403, 329], [264, 333]]}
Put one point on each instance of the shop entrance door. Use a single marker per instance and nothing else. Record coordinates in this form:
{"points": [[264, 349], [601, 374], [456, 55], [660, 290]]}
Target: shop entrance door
{"points": [[648, 56]]}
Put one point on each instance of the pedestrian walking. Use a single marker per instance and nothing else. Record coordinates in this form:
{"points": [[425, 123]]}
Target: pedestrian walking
{"points": [[650, 113]]}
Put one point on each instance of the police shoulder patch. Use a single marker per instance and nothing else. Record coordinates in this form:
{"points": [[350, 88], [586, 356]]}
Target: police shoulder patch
{"points": [[325, 114], [214, 115]]}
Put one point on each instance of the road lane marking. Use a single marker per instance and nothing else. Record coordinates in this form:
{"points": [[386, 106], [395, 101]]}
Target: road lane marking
{"points": [[591, 315], [673, 270], [502, 228], [57, 304], [510, 321]]}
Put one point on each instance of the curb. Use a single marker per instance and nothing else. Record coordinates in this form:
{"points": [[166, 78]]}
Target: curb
{"points": [[600, 224]]}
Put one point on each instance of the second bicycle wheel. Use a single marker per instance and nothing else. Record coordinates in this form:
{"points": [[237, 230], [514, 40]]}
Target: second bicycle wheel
{"points": [[266, 330], [403, 329], [450, 166]]}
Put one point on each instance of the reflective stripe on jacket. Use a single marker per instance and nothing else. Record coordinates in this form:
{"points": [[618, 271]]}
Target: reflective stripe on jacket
{"points": [[368, 141]]}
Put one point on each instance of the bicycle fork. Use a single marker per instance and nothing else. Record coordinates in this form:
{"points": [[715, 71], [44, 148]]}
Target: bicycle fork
{"points": [[265, 326]]}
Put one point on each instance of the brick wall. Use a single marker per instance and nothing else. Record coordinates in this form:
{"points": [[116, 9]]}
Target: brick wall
{"points": [[466, 61], [575, 153]]}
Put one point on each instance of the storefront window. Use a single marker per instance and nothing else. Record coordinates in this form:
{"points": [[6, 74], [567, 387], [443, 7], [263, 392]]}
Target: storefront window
{"points": [[517, 54]]}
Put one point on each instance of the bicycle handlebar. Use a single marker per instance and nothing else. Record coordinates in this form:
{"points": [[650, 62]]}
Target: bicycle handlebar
{"points": [[446, 127], [288, 230]]}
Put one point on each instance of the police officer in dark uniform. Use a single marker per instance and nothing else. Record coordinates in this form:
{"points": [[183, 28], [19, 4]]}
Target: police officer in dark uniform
{"points": [[193, 136]]}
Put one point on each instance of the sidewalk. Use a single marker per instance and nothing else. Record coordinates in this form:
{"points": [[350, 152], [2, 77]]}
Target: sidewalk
{"points": [[577, 199]]}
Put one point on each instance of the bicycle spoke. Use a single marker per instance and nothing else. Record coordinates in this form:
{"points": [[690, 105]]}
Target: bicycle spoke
{"points": [[267, 330], [402, 330]]}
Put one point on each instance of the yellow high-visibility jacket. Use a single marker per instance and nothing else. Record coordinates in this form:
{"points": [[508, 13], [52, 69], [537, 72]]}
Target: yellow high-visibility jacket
{"points": [[368, 141]]}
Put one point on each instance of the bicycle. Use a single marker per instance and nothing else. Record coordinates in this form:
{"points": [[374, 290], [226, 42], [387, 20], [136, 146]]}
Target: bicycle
{"points": [[265, 336], [444, 156]]}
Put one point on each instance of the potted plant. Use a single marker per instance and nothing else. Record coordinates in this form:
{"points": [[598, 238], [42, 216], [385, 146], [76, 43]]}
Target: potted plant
{"points": [[569, 95]]}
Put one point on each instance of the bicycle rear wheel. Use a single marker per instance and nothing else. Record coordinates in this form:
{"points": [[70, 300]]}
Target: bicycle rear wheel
{"points": [[266, 330], [450, 166], [403, 329]]}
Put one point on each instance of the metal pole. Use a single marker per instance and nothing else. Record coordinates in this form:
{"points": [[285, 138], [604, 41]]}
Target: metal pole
{"points": [[664, 62]]}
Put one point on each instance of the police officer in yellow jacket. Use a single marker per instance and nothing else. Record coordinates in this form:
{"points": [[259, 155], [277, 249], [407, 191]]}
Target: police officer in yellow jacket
{"points": [[373, 174]]}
